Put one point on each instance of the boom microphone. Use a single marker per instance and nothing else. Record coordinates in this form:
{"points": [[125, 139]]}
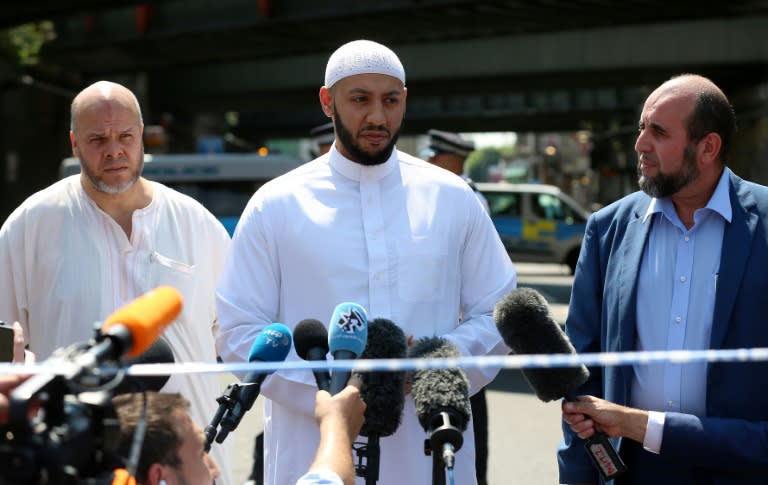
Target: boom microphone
{"points": [[271, 345], [441, 397], [310, 338], [525, 325], [132, 329], [383, 392], [348, 334]]}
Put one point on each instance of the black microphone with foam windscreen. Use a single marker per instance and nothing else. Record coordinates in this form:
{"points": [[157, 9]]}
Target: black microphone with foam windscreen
{"points": [[382, 391], [271, 345], [310, 339], [159, 353], [526, 326], [347, 336], [441, 397]]}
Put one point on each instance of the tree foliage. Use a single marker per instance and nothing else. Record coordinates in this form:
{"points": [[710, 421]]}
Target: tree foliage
{"points": [[482, 159], [22, 44]]}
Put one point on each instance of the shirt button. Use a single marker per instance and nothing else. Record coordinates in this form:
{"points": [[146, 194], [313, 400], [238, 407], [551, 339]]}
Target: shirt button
{"points": [[678, 319], [687, 238], [683, 279]]}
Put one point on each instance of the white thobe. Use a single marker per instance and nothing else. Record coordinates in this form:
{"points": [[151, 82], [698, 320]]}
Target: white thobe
{"points": [[65, 264], [406, 240]]}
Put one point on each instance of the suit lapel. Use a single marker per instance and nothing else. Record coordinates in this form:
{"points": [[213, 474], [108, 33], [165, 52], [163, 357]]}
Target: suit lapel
{"points": [[634, 242], [737, 237]]}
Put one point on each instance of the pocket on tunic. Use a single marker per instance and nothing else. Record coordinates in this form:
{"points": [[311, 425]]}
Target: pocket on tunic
{"points": [[167, 271], [169, 263], [421, 270]]}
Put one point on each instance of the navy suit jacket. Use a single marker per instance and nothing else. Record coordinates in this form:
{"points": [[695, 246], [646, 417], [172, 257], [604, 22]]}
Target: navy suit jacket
{"points": [[729, 444]]}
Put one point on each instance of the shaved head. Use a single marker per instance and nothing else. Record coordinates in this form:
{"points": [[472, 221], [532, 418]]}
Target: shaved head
{"points": [[711, 111], [106, 135], [99, 93], [693, 84]]}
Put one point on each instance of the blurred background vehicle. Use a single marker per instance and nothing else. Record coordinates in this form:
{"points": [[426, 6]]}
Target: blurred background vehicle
{"points": [[222, 182], [538, 223]]}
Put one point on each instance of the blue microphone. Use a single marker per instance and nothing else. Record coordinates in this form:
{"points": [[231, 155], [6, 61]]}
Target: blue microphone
{"points": [[347, 336], [271, 345]]}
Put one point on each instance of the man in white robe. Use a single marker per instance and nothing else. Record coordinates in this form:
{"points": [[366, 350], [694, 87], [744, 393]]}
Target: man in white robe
{"points": [[76, 251], [364, 223]]}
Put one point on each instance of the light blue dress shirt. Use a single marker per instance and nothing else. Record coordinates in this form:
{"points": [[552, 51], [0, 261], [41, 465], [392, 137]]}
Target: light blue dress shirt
{"points": [[675, 302], [322, 477]]}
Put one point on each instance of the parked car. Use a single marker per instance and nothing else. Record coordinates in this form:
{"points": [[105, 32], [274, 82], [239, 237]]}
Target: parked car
{"points": [[537, 223]]}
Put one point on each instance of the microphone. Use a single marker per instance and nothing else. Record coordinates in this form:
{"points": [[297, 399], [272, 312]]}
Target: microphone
{"points": [[271, 345], [159, 353], [441, 397], [129, 331], [310, 338], [348, 333], [523, 320], [383, 392], [121, 477], [132, 329]]}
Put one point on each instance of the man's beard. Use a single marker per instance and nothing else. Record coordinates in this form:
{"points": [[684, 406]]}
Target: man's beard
{"points": [[665, 185], [99, 184], [360, 156]]}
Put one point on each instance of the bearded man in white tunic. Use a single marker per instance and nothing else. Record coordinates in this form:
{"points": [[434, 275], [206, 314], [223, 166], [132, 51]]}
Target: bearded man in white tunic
{"points": [[369, 224], [76, 251]]}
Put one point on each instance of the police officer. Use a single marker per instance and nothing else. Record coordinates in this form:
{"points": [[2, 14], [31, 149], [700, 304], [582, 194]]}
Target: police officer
{"points": [[322, 138], [450, 151]]}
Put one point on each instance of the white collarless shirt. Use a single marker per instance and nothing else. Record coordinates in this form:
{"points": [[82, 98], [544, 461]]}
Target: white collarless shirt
{"points": [[404, 239]]}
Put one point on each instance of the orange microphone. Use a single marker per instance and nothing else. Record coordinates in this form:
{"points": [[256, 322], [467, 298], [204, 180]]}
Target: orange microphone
{"points": [[132, 329], [121, 477], [145, 318]]}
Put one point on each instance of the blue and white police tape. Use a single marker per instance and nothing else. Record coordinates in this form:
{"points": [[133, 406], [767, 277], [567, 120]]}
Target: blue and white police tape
{"points": [[530, 361]]}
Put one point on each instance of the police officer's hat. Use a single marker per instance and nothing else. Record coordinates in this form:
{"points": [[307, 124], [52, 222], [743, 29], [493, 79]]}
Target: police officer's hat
{"points": [[447, 142], [323, 134]]}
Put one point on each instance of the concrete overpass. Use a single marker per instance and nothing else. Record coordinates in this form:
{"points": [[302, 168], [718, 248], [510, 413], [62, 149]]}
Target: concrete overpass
{"points": [[471, 65]]}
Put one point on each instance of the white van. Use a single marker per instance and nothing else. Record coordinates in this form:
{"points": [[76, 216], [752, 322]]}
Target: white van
{"points": [[537, 223], [223, 183]]}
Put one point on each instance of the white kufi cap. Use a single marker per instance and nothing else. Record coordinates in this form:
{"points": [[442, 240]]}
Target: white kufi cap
{"points": [[362, 57]]}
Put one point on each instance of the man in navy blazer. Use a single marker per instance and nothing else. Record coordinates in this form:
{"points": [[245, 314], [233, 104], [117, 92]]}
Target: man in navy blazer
{"points": [[680, 265]]}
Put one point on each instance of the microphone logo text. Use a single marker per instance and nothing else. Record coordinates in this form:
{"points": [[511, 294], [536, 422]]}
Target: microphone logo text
{"points": [[601, 455], [351, 322], [275, 338]]}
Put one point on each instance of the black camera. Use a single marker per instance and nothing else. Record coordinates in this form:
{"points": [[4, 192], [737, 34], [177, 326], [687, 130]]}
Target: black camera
{"points": [[61, 430]]}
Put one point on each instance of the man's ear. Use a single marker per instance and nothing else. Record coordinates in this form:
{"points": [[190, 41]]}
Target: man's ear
{"points": [[73, 142], [709, 148], [155, 474], [326, 101]]}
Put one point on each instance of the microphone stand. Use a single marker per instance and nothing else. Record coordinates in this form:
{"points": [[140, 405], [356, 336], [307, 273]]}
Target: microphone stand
{"points": [[444, 437], [438, 472], [226, 402], [371, 451]]}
